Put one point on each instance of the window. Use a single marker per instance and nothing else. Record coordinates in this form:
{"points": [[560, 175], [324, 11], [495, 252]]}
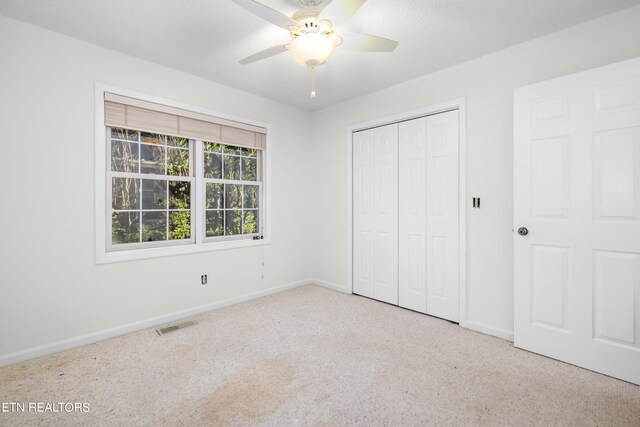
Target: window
{"points": [[176, 180], [151, 180], [232, 190]]}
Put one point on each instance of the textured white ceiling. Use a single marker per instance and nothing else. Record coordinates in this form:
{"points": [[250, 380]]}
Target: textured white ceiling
{"points": [[207, 38]]}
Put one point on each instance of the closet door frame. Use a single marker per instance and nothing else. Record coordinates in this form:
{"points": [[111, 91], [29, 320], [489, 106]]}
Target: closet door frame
{"points": [[456, 104]]}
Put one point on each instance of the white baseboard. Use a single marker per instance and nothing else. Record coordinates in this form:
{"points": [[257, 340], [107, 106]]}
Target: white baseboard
{"points": [[488, 330], [329, 285], [70, 343]]}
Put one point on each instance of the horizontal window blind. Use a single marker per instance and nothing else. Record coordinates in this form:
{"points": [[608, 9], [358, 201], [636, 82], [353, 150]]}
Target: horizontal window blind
{"points": [[130, 113]]}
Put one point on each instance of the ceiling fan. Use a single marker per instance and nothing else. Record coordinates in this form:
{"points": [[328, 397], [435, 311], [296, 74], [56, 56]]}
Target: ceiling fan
{"points": [[312, 30]]}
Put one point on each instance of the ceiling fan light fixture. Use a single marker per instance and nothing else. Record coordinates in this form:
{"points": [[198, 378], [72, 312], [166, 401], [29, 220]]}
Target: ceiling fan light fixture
{"points": [[311, 28], [313, 48]]}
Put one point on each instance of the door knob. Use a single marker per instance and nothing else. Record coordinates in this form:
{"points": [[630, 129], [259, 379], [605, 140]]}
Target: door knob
{"points": [[523, 231]]}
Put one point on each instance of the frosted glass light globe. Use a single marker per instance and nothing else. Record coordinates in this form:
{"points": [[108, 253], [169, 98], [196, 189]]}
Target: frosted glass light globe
{"points": [[312, 49]]}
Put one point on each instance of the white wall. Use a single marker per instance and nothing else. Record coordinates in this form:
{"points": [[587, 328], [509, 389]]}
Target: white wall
{"points": [[488, 84], [50, 287]]}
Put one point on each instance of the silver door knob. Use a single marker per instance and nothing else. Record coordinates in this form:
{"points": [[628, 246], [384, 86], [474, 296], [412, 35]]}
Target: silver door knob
{"points": [[523, 231]]}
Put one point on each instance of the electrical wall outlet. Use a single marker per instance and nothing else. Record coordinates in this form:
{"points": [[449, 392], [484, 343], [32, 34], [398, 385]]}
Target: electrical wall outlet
{"points": [[203, 279]]}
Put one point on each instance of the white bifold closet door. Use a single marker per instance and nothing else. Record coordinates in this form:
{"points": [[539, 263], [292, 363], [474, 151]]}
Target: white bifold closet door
{"points": [[375, 213], [428, 228], [418, 241]]}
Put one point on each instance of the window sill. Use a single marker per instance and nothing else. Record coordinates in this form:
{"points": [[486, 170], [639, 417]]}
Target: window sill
{"points": [[103, 257]]}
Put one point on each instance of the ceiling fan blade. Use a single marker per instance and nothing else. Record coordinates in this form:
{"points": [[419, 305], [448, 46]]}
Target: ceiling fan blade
{"points": [[263, 54], [338, 11], [266, 13], [366, 43]]}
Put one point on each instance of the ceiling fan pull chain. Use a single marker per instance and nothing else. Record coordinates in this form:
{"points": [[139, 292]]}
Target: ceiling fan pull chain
{"points": [[313, 81]]}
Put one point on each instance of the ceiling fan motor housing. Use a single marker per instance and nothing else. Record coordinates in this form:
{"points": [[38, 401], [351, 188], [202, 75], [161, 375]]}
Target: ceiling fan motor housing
{"points": [[306, 13]]}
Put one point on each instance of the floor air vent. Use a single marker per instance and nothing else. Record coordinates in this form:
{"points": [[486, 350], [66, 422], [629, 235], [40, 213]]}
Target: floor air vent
{"points": [[175, 327]]}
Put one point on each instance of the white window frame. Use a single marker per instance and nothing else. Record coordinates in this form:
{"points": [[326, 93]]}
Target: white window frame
{"points": [[202, 244]]}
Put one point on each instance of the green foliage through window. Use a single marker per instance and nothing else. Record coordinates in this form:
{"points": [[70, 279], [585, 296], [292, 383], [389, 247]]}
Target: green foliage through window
{"points": [[232, 190], [149, 203]]}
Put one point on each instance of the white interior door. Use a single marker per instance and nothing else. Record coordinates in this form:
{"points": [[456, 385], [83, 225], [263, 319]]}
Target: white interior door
{"points": [[577, 192], [375, 213]]}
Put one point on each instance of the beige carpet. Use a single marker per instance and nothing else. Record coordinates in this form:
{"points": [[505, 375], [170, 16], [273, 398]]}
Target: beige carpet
{"points": [[315, 357]]}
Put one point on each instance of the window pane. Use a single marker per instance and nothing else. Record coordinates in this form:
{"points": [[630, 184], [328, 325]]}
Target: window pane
{"points": [[215, 223], [215, 196], [233, 222], [250, 197], [233, 196], [250, 152], [249, 169], [213, 166], [176, 141], [231, 167], [154, 194], [152, 159], [125, 227], [151, 138], [179, 225], [131, 135], [125, 193], [250, 222], [179, 195], [154, 226], [177, 162], [213, 146], [230, 149], [124, 156]]}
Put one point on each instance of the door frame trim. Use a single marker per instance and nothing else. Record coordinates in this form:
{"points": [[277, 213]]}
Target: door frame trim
{"points": [[456, 104]]}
